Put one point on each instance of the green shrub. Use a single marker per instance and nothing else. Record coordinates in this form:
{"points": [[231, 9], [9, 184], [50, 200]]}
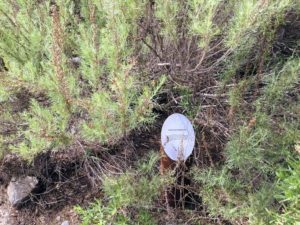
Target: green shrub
{"points": [[134, 191], [99, 97], [84, 66], [243, 189], [167, 12], [202, 15], [288, 194]]}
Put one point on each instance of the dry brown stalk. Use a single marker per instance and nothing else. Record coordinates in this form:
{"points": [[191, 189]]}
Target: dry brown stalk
{"points": [[58, 42]]}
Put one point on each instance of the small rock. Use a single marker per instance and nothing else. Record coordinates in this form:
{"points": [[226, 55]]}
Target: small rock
{"points": [[20, 188], [75, 61], [66, 222]]}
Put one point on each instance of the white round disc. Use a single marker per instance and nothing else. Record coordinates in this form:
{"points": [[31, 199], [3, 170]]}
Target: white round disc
{"points": [[177, 137]]}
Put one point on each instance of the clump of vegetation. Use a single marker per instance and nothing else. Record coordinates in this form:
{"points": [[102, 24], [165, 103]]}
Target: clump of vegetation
{"points": [[128, 197], [247, 182], [88, 73], [82, 65], [287, 193]]}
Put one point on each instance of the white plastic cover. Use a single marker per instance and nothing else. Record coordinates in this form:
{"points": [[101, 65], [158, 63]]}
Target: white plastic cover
{"points": [[178, 137]]}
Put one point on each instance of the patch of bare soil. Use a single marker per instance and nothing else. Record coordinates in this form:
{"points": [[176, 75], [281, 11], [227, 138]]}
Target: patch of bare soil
{"points": [[63, 183], [25, 216]]}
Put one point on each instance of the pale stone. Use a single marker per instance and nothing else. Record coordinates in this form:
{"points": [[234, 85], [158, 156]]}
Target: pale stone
{"points": [[20, 188], [65, 223]]}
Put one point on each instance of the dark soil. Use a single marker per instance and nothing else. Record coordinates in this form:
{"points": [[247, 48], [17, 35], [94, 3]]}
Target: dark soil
{"points": [[63, 183]]}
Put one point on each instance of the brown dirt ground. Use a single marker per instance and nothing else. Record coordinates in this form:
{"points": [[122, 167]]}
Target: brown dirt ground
{"points": [[61, 186], [11, 216]]}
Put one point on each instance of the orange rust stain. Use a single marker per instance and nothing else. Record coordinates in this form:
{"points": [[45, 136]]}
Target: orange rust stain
{"points": [[165, 162], [251, 123]]}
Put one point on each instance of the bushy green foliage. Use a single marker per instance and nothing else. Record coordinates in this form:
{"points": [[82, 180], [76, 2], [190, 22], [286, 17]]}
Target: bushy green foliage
{"points": [[99, 214], [244, 187], [252, 21], [79, 62], [202, 15], [133, 191], [252, 17], [167, 12], [288, 193], [100, 94]]}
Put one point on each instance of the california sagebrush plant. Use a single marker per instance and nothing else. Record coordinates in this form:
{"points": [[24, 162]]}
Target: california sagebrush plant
{"points": [[85, 72], [129, 198], [83, 66], [288, 194], [243, 188]]}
